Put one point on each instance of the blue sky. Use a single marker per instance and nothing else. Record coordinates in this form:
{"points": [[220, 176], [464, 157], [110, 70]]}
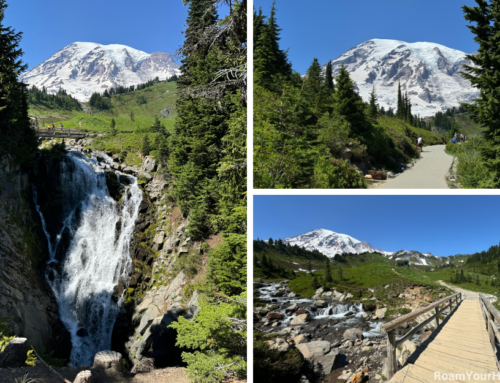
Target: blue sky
{"points": [[50, 25], [442, 225], [325, 29]]}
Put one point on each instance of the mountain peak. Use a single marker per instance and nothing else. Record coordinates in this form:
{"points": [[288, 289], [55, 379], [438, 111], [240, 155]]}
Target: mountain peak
{"points": [[82, 68], [428, 72]]}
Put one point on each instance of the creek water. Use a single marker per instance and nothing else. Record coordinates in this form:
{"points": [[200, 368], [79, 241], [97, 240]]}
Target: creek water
{"points": [[91, 252], [334, 315]]}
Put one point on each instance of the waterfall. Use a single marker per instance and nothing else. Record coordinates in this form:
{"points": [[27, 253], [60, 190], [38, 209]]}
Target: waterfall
{"points": [[90, 253]]}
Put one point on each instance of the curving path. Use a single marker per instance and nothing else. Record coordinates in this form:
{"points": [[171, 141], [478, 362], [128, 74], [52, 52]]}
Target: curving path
{"points": [[428, 173]]}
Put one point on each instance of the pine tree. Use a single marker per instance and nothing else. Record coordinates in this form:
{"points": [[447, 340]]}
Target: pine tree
{"points": [[17, 139], [347, 101], [315, 283], [399, 110], [112, 126], [328, 272], [373, 105], [484, 75], [329, 77], [145, 146], [314, 89]]}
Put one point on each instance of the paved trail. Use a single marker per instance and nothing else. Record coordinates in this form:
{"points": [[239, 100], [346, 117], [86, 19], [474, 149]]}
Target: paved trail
{"points": [[428, 173]]}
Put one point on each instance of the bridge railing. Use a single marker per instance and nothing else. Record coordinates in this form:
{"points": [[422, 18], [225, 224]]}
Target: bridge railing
{"points": [[490, 314], [58, 130], [390, 328]]}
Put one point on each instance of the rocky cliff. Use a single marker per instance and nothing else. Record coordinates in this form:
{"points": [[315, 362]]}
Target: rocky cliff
{"points": [[25, 297]]}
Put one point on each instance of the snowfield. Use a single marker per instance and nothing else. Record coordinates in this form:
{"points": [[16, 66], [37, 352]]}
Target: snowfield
{"points": [[429, 72]]}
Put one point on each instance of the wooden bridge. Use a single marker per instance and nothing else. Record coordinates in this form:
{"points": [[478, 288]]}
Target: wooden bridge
{"points": [[463, 345], [59, 132]]}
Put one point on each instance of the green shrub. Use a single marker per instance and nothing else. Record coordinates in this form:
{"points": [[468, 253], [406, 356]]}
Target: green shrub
{"points": [[274, 366], [336, 174]]}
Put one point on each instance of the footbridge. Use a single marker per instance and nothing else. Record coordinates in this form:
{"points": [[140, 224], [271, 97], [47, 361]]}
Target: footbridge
{"points": [[59, 133], [461, 348]]}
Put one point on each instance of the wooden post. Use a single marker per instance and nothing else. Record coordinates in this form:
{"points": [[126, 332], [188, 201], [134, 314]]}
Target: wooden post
{"points": [[490, 328], [437, 316], [392, 363]]}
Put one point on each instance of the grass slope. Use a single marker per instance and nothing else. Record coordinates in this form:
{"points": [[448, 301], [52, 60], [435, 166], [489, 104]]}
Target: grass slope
{"points": [[399, 127], [466, 125]]}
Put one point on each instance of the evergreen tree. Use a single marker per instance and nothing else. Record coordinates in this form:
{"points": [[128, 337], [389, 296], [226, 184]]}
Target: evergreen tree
{"points": [[373, 105], [328, 272], [341, 274], [329, 77], [484, 75], [145, 146], [314, 89], [17, 139], [315, 283], [400, 110], [112, 126], [347, 101]]}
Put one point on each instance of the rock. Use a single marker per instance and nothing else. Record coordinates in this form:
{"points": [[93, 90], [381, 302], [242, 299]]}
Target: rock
{"points": [[300, 319], [319, 291], [275, 316], [424, 336], [302, 338], [82, 332], [109, 361], [319, 356], [116, 166], [129, 170], [292, 308], [299, 312], [358, 378], [353, 334], [14, 354], [367, 349], [158, 241], [279, 344], [328, 294], [321, 304], [83, 377], [291, 295], [407, 349], [348, 314], [378, 377], [365, 315], [380, 313], [149, 165], [347, 344]]}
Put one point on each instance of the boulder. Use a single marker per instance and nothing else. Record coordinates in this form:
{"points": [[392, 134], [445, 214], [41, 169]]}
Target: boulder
{"points": [[358, 378], [321, 304], [292, 308], [279, 344], [275, 316], [300, 319], [158, 241], [380, 313], [300, 312], [149, 165], [129, 170], [367, 349], [353, 334], [407, 349], [319, 357], [83, 377], [109, 361], [302, 338], [319, 291], [14, 354]]}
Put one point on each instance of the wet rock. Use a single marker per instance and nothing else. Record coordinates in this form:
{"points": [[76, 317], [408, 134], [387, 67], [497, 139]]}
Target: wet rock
{"points": [[300, 312], [300, 319], [321, 304], [275, 316], [348, 314], [292, 308]]}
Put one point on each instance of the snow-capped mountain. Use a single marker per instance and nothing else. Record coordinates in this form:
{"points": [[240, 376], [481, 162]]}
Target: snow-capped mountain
{"points": [[331, 243], [84, 68], [416, 258], [429, 72]]}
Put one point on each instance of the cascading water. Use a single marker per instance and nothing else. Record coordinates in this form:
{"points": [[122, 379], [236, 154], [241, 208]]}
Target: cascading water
{"points": [[84, 271]]}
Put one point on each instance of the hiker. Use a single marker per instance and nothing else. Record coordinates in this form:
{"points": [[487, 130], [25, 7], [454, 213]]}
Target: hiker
{"points": [[454, 140], [420, 142]]}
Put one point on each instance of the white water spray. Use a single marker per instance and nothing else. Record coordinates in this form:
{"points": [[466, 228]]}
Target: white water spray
{"points": [[97, 257]]}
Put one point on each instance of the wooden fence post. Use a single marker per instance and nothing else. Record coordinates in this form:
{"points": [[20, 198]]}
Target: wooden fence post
{"points": [[392, 363], [437, 316]]}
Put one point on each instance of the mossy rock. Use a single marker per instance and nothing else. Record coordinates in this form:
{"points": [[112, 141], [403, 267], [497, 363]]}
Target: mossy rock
{"points": [[115, 188]]}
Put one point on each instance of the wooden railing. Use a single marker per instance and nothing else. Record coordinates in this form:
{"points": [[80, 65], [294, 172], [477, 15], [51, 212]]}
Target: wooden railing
{"points": [[390, 328], [491, 314], [60, 131]]}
